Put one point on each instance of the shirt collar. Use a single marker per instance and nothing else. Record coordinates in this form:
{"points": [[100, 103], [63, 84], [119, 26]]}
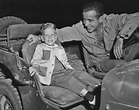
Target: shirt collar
{"points": [[54, 46]]}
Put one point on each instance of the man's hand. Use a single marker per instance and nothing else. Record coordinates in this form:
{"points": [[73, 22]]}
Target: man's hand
{"points": [[33, 38], [32, 71], [118, 48]]}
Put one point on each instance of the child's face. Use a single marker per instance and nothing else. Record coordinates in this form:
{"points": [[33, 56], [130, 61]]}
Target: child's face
{"points": [[49, 36]]}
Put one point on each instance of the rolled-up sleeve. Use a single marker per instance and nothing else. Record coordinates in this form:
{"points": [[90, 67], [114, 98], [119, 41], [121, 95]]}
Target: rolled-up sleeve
{"points": [[128, 23]]}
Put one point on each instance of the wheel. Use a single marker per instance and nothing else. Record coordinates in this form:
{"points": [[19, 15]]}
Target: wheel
{"points": [[9, 97], [5, 22]]}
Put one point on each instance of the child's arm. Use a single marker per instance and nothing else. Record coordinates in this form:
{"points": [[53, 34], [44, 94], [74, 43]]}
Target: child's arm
{"points": [[35, 60], [64, 60], [37, 56]]}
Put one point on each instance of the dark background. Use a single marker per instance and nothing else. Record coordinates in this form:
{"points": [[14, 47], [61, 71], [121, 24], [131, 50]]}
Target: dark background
{"points": [[60, 12]]}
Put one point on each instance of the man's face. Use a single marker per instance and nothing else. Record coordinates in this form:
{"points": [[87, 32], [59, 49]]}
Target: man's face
{"points": [[49, 36], [91, 22]]}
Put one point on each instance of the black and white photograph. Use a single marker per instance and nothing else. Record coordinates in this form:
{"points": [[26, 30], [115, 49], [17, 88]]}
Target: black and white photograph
{"points": [[69, 55]]}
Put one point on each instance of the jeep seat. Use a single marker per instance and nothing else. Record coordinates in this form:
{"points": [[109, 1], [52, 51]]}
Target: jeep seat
{"points": [[57, 94], [60, 96]]}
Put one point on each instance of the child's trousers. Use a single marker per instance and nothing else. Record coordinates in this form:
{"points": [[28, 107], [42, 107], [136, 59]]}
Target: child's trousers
{"points": [[75, 81]]}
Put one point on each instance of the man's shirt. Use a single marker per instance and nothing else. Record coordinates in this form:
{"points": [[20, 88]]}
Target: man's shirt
{"points": [[99, 46]]}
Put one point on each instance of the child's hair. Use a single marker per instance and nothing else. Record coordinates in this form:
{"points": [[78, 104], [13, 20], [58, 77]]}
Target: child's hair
{"points": [[47, 25]]}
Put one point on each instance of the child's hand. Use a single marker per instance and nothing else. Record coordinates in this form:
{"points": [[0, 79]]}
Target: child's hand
{"points": [[32, 71]]}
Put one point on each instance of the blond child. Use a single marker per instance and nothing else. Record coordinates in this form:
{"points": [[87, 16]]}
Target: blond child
{"points": [[51, 60]]}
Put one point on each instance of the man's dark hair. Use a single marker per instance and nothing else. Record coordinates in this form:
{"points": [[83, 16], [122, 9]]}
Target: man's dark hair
{"points": [[98, 7]]}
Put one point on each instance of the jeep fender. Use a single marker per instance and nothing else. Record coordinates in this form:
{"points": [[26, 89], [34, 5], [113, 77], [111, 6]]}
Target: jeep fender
{"points": [[120, 88], [10, 68]]}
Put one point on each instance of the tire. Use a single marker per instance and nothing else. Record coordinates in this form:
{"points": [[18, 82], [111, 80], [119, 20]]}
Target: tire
{"points": [[9, 97], [5, 22]]}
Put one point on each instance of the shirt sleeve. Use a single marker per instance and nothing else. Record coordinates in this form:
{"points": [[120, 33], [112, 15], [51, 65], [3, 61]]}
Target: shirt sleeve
{"points": [[37, 56], [63, 58], [70, 33], [127, 24]]}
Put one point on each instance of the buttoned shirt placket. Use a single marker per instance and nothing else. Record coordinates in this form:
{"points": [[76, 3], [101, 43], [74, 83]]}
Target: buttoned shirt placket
{"points": [[50, 68]]}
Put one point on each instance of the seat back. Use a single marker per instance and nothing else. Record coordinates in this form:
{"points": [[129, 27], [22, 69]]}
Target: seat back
{"points": [[28, 50], [22, 30], [17, 34], [61, 96]]}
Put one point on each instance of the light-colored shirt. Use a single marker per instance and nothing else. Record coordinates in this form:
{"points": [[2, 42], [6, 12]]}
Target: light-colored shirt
{"points": [[99, 46], [45, 58]]}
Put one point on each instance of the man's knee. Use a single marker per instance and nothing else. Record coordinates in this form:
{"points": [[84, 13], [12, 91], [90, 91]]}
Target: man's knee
{"points": [[131, 52], [119, 62], [106, 65]]}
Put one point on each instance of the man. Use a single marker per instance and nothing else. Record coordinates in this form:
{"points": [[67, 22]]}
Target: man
{"points": [[99, 33]]}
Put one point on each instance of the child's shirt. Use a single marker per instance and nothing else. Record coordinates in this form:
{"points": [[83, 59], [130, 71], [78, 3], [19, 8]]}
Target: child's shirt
{"points": [[46, 57]]}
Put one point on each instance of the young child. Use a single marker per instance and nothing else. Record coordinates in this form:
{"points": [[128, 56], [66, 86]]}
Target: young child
{"points": [[51, 64]]}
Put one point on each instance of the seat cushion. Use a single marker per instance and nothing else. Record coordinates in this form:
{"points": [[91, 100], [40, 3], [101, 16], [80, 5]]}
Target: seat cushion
{"points": [[60, 95]]}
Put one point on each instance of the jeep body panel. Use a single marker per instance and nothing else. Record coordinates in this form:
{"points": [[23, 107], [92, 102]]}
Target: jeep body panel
{"points": [[29, 92], [120, 88], [15, 68]]}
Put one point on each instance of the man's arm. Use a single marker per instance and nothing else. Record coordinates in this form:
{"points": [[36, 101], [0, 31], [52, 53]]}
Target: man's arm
{"points": [[70, 33], [130, 23], [127, 23], [65, 34], [33, 38]]}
